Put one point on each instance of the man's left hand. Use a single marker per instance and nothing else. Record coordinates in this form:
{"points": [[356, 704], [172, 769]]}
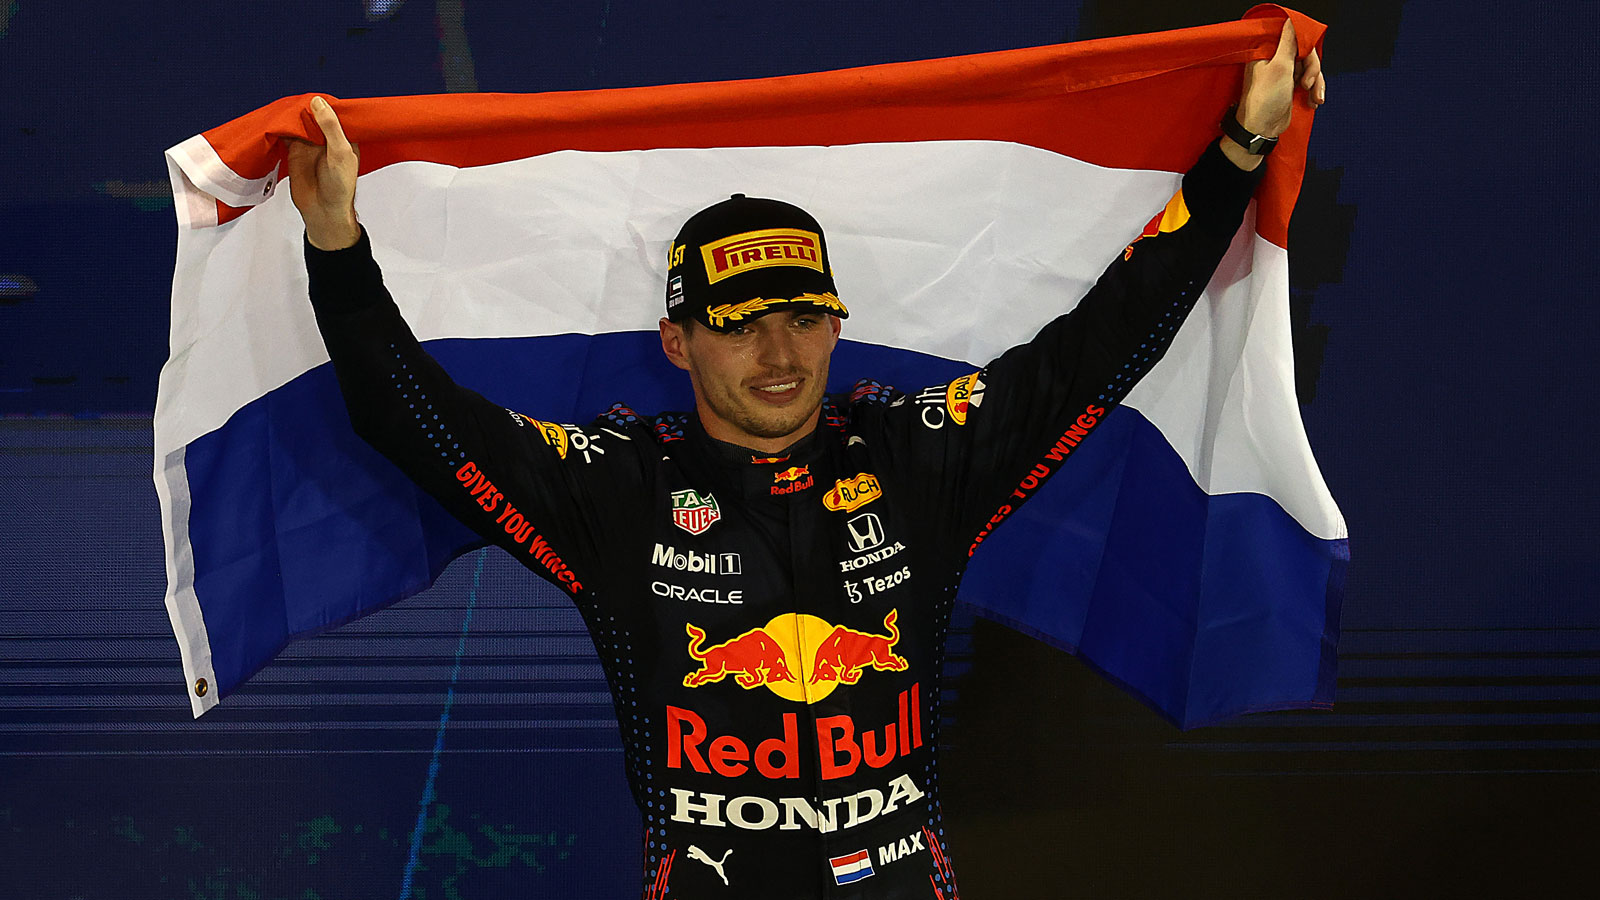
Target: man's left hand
{"points": [[1268, 95]]}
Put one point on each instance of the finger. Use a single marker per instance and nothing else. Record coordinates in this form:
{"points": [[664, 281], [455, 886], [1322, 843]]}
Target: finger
{"points": [[302, 160], [1312, 72], [328, 121]]}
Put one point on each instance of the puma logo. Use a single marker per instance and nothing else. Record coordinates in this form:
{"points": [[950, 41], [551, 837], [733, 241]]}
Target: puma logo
{"points": [[697, 853]]}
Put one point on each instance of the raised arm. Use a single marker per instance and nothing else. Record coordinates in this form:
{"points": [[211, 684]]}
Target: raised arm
{"points": [[1021, 416], [504, 475]]}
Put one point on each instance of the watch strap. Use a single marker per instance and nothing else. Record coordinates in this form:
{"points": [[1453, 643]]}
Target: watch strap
{"points": [[1254, 144]]}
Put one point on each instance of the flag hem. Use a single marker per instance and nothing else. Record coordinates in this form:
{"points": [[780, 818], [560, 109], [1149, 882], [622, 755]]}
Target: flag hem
{"points": [[183, 605]]}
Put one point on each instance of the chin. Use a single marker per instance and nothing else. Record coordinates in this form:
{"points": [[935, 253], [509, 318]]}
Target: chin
{"points": [[771, 424], [772, 428]]}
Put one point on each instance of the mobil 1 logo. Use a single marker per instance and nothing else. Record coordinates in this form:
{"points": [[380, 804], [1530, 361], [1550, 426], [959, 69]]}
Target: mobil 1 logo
{"points": [[689, 561]]}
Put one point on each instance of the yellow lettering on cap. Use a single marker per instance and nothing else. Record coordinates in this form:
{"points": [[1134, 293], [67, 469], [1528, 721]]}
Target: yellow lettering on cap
{"points": [[751, 250]]}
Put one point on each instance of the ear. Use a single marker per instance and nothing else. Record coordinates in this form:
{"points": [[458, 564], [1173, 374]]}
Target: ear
{"points": [[673, 343]]}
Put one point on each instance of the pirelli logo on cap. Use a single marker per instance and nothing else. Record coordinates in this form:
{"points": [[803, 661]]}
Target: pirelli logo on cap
{"points": [[752, 250]]}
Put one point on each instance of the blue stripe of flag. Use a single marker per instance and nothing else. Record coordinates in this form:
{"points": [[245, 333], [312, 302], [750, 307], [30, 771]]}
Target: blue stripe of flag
{"points": [[1205, 607]]}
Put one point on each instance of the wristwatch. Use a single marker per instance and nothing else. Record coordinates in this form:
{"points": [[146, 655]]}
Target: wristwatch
{"points": [[1254, 144]]}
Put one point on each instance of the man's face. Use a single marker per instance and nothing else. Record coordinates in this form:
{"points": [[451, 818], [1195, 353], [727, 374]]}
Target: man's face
{"points": [[760, 385]]}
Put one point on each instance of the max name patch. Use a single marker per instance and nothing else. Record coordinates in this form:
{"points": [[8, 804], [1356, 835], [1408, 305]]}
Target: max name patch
{"points": [[752, 250]]}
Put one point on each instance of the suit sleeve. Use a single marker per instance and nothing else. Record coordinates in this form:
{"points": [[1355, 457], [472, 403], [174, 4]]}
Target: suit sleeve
{"points": [[1026, 411], [511, 479]]}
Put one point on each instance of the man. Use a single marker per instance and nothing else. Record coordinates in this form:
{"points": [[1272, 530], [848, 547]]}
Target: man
{"points": [[768, 580]]}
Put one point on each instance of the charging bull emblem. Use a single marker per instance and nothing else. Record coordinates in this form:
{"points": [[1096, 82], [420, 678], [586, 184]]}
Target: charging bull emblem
{"points": [[796, 655], [845, 652], [771, 656], [752, 658]]}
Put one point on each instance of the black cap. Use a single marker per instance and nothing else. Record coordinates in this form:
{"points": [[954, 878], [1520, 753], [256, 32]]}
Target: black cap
{"points": [[745, 257]]}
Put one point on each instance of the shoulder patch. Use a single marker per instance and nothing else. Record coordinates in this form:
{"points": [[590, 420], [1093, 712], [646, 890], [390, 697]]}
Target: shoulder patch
{"points": [[621, 415], [669, 427], [868, 391], [832, 416]]}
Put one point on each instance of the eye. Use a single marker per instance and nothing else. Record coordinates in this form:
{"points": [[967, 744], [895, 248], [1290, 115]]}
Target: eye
{"points": [[806, 322], [739, 330]]}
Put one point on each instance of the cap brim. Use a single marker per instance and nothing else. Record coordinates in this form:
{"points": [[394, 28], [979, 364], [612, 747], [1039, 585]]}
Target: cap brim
{"points": [[728, 316]]}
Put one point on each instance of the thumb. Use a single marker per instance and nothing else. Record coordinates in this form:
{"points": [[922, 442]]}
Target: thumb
{"points": [[327, 120], [1287, 48]]}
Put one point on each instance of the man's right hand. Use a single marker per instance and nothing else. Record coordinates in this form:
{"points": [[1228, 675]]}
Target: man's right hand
{"points": [[322, 182]]}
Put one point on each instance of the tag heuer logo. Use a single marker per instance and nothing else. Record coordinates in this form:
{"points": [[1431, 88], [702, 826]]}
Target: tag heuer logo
{"points": [[694, 512]]}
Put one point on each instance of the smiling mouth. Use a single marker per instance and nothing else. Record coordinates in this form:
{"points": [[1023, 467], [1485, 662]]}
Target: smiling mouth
{"points": [[780, 394]]}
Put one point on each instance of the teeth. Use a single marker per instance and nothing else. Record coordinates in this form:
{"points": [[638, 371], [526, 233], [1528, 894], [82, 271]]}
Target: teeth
{"points": [[780, 388]]}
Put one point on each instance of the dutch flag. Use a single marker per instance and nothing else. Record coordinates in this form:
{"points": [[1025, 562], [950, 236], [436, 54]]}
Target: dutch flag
{"points": [[851, 867], [1191, 551]]}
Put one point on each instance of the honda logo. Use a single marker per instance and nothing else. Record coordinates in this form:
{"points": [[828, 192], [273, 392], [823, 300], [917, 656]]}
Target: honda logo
{"points": [[866, 532]]}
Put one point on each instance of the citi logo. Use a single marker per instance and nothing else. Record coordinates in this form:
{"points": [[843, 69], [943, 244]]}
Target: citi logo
{"points": [[690, 561]]}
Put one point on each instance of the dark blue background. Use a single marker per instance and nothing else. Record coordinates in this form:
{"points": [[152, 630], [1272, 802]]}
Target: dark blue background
{"points": [[1443, 263]]}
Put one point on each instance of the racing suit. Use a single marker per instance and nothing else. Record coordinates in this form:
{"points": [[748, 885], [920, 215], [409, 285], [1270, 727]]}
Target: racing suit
{"points": [[772, 627]]}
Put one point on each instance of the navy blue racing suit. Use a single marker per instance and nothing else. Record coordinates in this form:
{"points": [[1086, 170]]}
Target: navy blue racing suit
{"points": [[772, 627]]}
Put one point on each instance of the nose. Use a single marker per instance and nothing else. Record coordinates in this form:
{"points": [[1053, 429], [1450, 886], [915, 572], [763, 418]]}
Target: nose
{"points": [[776, 349]]}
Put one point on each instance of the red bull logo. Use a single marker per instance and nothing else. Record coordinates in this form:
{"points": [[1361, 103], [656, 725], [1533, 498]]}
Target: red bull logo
{"points": [[845, 652], [798, 478], [770, 656], [752, 658], [1173, 217], [844, 743], [752, 250], [850, 494]]}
